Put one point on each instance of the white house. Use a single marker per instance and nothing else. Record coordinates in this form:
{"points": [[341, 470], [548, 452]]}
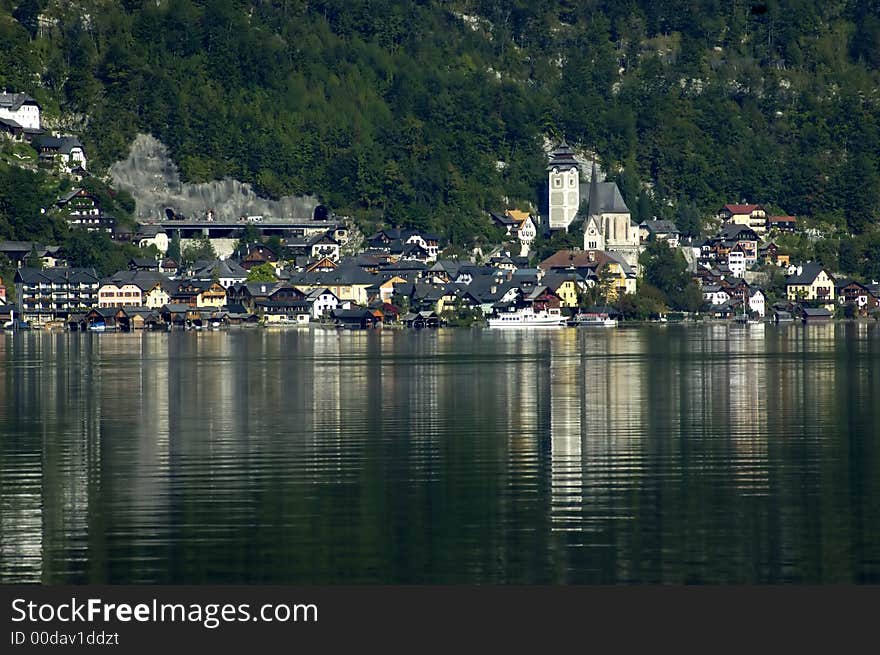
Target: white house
{"points": [[736, 262], [324, 245], [22, 109], [714, 294], [429, 242], [526, 235], [756, 302], [67, 150], [323, 301]]}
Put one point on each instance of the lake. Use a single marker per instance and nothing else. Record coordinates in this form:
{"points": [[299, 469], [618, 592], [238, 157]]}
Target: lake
{"points": [[651, 454]]}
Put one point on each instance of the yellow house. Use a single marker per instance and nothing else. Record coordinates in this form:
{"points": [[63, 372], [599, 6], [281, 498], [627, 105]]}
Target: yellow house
{"points": [[564, 286], [386, 289], [351, 292], [211, 296], [810, 282], [753, 216], [618, 279], [156, 297]]}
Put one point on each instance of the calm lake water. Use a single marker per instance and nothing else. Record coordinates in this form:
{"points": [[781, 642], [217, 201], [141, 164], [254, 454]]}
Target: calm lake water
{"points": [[673, 454]]}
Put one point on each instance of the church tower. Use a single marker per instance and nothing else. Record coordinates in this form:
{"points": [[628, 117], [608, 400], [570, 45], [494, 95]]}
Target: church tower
{"points": [[609, 223], [563, 178]]}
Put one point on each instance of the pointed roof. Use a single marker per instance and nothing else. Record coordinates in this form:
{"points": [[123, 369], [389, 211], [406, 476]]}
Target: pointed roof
{"points": [[562, 157], [604, 197]]}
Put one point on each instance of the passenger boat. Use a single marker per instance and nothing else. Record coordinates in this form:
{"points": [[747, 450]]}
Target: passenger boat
{"points": [[528, 317], [593, 320]]}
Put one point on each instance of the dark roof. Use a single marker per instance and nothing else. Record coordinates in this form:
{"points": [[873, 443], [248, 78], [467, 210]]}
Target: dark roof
{"points": [[660, 227], [732, 231], [144, 280], [345, 274], [143, 262], [58, 275], [222, 268], [562, 157], [603, 197], [816, 311], [808, 274], [14, 101], [351, 313], [63, 144]]}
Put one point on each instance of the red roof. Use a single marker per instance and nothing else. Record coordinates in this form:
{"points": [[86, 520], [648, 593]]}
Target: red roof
{"points": [[741, 209], [781, 219]]}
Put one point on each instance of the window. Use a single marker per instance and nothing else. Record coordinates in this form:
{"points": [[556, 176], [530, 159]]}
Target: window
{"points": [[557, 183]]}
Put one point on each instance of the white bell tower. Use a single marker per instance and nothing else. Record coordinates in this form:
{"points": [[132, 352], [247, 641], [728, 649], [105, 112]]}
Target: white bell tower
{"points": [[563, 179]]}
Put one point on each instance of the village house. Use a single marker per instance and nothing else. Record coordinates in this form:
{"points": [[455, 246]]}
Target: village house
{"points": [[855, 294], [82, 209], [757, 302], [715, 295], [199, 293], [51, 294], [659, 230], [810, 282], [19, 115], [751, 216], [225, 271], [20, 252], [519, 225], [66, 151], [736, 261], [321, 303], [782, 223], [324, 246], [355, 318], [567, 286], [394, 241], [119, 293], [322, 265], [247, 294], [151, 235], [257, 255], [772, 254]]}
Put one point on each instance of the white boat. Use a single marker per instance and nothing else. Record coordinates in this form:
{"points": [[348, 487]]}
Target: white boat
{"points": [[528, 317], [593, 320]]}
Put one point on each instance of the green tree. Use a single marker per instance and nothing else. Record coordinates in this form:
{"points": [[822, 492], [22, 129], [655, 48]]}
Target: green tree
{"points": [[262, 273], [174, 251], [200, 250]]}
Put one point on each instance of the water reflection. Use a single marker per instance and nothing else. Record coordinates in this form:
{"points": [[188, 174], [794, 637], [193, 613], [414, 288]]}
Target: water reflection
{"points": [[657, 454]]}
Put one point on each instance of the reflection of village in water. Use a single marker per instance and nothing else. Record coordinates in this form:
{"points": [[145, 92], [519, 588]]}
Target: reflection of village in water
{"points": [[115, 449]]}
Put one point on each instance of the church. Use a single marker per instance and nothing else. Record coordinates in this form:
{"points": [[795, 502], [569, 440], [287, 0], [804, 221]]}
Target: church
{"points": [[606, 222]]}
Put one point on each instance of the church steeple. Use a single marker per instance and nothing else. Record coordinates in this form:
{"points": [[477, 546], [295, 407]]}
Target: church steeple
{"points": [[593, 198]]}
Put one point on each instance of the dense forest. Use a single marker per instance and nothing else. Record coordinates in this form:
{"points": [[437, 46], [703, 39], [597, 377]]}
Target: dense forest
{"points": [[426, 113]]}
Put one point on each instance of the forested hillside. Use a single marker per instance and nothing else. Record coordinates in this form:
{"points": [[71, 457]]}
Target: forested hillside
{"points": [[428, 112]]}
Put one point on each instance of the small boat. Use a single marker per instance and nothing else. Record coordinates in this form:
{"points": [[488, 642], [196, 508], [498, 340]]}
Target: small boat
{"points": [[593, 320], [528, 317], [97, 327]]}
